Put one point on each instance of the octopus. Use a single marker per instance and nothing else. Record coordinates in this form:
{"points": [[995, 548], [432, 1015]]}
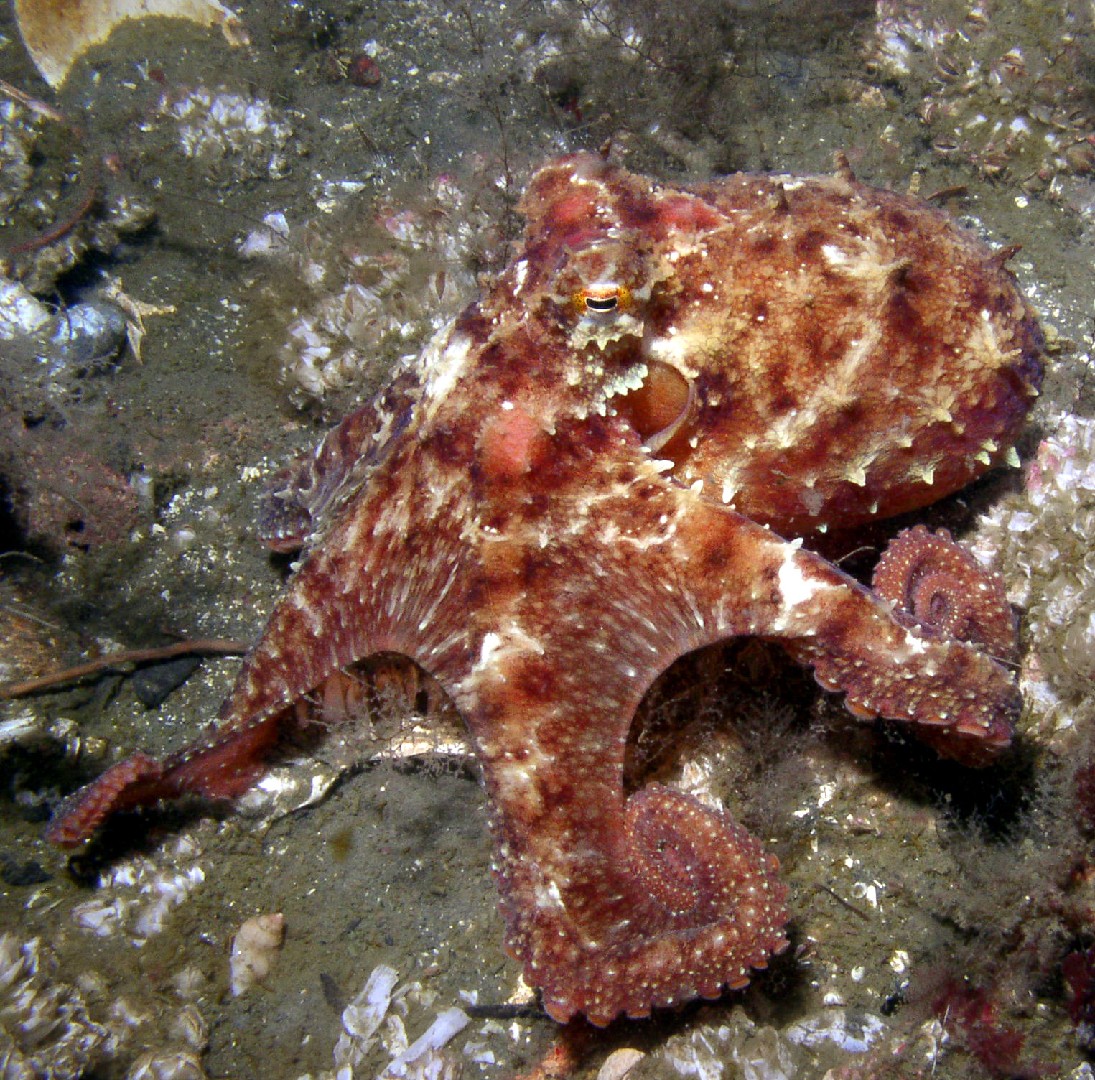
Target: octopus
{"points": [[613, 458]]}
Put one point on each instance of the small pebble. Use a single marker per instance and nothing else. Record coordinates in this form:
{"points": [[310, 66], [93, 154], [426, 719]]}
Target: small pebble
{"points": [[363, 70], [20, 874], [154, 684]]}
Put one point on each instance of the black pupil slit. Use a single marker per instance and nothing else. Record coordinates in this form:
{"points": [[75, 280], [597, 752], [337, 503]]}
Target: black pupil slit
{"points": [[601, 303]]}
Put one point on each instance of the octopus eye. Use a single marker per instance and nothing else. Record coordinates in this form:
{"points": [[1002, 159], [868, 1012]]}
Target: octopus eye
{"points": [[602, 298], [601, 303]]}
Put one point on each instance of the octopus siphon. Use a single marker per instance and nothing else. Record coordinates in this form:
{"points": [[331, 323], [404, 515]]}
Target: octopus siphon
{"points": [[611, 459]]}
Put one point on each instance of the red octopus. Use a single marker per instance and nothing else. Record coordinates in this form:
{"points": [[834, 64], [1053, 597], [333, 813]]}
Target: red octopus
{"points": [[609, 460]]}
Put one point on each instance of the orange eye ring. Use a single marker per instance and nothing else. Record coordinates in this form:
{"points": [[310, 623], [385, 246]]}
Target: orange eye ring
{"points": [[602, 298]]}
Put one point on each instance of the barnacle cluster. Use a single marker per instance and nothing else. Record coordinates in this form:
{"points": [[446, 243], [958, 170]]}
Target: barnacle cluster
{"points": [[1003, 91], [1041, 536], [370, 292], [18, 130], [62, 1019], [136, 896], [224, 128], [45, 1027], [55, 224], [50, 1027]]}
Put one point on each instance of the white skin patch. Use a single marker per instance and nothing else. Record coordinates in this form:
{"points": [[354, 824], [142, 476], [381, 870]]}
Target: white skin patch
{"points": [[496, 648], [520, 272], [515, 782], [795, 588], [548, 896], [448, 368], [675, 349], [730, 485], [492, 643], [914, 646]]}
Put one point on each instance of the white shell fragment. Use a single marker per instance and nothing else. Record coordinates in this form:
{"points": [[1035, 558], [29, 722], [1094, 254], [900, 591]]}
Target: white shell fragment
{"points": [[447, 1025], [619, 1063], [57, 32], [363, 1016], [255, 948]]}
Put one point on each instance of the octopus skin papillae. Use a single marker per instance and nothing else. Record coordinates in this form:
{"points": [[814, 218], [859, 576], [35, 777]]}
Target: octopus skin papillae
{"points": [[609, 460]]}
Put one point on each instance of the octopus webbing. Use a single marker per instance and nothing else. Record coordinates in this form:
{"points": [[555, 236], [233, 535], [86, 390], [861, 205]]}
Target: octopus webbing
{"points": [[609, 460]]}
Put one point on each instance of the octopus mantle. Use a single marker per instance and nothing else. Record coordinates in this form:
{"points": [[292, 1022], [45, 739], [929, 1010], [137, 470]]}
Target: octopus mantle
{"points": [[612, 459]]}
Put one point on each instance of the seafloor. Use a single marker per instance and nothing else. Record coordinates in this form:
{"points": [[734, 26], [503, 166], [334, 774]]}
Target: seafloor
{"points": [[943, 921]]}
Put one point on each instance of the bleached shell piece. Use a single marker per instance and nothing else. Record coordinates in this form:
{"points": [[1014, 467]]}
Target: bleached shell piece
{"points": [[421, 1057], [363, 1016], [57, 32], [255, 948], [619, 1063]]}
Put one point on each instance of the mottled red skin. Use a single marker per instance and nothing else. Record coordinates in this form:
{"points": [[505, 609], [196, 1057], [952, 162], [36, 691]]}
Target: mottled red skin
{"points": [[587, 477]]}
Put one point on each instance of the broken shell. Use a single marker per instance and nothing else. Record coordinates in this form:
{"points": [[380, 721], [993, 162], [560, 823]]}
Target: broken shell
{"points": [[254, 950], [57, 32], [619, 1063]]}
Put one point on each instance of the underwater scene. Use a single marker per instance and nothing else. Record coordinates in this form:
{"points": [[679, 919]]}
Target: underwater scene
{"points": [[547, 539]]}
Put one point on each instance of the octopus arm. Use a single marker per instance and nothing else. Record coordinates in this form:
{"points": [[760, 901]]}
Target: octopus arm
{"points": [[391, 576], [310, 490], [955, 696], [619, 903]]}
